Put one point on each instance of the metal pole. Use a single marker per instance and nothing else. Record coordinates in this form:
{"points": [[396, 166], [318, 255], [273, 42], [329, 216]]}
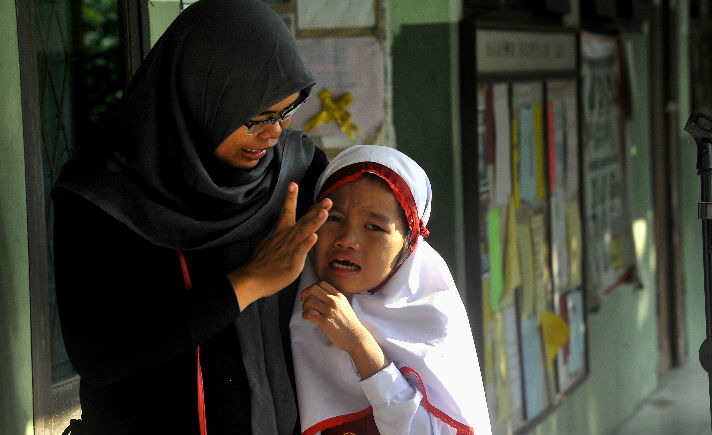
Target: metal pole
{"points": [[700, 127]]}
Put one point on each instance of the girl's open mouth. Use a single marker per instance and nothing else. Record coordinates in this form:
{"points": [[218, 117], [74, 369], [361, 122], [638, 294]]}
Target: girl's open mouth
{"points": [[344, 265]]}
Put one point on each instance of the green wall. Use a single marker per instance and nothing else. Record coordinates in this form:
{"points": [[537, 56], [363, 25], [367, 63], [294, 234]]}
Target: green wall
{"points": [[15, 345], [425, 77], [622, 334], [422, 121]]}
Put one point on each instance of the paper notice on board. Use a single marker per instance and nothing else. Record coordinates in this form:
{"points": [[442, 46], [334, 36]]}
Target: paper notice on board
{"points": [[503, 145], [503, 387], [344, 65], [526, 262], [512, 271], [572, 147], [575, 243], [488, 326], [610, 255], [526, 145], [513, 367], [577, 332], [326, 14], [539, 152], [559, 240], [555, 332], [557, 149], [534, 386], [541, 268], [495, 257]]}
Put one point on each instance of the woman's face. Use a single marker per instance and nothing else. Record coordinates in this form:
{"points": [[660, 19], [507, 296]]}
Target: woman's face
{"points": [[361, 240], [243, 151]]}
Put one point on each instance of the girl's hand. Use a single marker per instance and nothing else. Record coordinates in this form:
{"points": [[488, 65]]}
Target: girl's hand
{"points": [[329, 309]]}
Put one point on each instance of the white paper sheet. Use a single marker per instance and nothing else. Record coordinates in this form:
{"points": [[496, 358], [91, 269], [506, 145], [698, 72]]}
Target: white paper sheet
{"points": [[324, 14], [341, 65], [503, 145]]}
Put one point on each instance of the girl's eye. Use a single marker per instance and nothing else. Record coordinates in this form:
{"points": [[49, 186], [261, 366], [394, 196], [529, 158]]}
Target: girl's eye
{"points": [[373, 227], [333, 218]]}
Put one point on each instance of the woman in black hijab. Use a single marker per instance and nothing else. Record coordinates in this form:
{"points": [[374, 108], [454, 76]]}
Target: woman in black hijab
{"points": [[162, 234]]}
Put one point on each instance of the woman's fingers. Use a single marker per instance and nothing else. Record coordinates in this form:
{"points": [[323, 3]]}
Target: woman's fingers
{"points": [[289, 209], [296, 232], [312, 220], [279, 258]]}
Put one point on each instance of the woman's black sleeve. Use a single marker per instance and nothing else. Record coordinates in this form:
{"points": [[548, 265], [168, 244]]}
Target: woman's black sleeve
{"points": [[122, 301]]}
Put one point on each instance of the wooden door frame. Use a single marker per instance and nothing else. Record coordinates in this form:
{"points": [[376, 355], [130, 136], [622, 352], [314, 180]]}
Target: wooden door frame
{"points": [[54, 404], [665, 161]]}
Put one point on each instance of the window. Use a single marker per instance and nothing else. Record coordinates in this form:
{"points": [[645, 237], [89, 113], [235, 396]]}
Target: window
{"points": [[75, 58]]}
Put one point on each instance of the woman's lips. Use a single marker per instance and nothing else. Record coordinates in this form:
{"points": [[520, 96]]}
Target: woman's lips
{"points": [[253, 154]]}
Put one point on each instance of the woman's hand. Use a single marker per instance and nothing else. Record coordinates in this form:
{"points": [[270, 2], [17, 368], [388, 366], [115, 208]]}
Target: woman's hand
{"points": [[329, 309], [279, 258]]}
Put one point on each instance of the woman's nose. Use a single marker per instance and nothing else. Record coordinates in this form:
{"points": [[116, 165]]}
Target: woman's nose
{"points": [[274, 130]]}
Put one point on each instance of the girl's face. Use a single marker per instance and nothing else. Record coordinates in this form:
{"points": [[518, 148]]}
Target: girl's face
{"points": [[361, 240]]}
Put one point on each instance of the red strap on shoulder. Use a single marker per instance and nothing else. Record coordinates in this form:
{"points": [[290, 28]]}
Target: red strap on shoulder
{"points": [[201, 394]]}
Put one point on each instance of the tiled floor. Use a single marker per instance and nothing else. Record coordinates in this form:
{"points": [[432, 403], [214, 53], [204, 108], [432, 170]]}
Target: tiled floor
{"points": [[681, 406]]}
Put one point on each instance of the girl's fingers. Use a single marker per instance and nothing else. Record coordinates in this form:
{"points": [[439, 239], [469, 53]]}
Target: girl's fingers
{"points": [[312, 304], [313, 291], [328, 288]]}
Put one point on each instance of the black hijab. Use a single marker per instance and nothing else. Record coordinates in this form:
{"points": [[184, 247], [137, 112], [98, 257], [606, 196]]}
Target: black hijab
{"points": [[151, 166]]}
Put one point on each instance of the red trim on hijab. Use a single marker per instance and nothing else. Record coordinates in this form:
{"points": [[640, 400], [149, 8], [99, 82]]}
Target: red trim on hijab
{"points": [[400, 189], [462, 429]]}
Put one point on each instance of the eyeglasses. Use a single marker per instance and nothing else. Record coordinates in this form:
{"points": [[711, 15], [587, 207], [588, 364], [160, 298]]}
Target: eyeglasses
{"points": [[257, 127]]}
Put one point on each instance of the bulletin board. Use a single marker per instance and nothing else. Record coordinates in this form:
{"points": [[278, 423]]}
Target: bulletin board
{"points": [[343, 43], [521, 137]]}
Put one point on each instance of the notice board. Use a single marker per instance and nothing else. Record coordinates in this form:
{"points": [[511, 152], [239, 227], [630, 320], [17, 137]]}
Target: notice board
{"points": [[522, 150]]}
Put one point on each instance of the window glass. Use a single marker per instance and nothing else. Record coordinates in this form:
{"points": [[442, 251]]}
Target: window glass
{"points": [[79, 65]]}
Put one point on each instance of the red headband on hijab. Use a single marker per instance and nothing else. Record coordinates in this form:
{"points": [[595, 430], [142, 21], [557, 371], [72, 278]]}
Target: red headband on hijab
{"points": [[399, 187]]}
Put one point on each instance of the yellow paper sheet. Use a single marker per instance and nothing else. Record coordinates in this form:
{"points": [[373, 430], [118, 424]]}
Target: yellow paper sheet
{"points": [[555, 332], [526, 262], [541, 262]]}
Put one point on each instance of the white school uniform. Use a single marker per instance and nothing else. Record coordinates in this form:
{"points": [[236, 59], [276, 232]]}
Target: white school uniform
{"points": [[433, 383]]}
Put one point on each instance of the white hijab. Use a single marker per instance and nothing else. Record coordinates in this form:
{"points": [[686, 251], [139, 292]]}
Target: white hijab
{"points": [[416, 316]]}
